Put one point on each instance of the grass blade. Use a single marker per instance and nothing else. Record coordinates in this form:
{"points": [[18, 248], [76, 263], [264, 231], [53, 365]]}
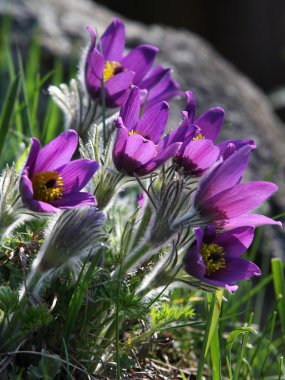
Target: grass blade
{"points": [[279, 288]]}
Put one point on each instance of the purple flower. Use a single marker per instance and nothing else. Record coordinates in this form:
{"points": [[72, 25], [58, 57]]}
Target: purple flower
{"points": [[138, 148], [141, 199], [226, 202], [49, 180], [106, 62], [215, 258], [198, 153]]}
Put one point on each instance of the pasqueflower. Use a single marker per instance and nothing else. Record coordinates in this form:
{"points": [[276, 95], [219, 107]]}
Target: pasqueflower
{"points": [[49, 181], [138, 148], [215, 258], [106, 62], [226, 202], [198, 152]]}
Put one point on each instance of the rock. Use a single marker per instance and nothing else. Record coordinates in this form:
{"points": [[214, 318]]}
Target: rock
{"points": [[197, 66]]}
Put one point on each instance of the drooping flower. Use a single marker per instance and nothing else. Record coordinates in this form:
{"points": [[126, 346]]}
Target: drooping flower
{"points": [[49, 181], [226, 202], [107, 63], [216, 258], [138, 148]]}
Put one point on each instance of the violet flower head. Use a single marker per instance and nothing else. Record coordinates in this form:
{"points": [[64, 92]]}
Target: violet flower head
{"points": [[216, 258], [107, 63], [49, 181], [138, 148], [198, 152], [225, 202]]}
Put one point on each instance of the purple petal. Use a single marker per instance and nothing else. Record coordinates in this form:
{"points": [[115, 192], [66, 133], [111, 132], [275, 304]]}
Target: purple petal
{"points": [[198, 156], [190, 106], [224, 176], [153, 77], [254, 220], [117, 87], [228, 147], [140, 60], [33, 155], [241, 198], [237, 269], [120, 142], [236, 241], [73, 200], [57, 152], [166, 89], [94, 67], [159, 159], [76, 174], [113, 41], [138, 151], [153, 122], [131, 108], [210, 122], [180, 134]]}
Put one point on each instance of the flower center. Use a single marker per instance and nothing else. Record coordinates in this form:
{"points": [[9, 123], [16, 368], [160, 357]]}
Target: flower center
{"points": [[213, 257], [198, 137], [136, 132], [111, 68], [47, 186]]}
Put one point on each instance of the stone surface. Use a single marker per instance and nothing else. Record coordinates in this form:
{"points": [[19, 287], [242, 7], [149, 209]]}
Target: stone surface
{"points": [[197, 66]]}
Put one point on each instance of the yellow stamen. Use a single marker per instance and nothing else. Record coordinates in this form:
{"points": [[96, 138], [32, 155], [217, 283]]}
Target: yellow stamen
{"points": [[47, 186], [213, 257], [198, 137], [136, 133], [110, 69]]}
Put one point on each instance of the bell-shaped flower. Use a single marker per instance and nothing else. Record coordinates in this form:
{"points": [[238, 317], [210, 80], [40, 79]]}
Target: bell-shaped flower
{"points": [[106, 64], [226, 202], [216, 258], [49, 181], [139, 148]]}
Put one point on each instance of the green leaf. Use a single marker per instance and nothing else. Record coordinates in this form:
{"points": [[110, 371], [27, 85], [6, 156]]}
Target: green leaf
{"points": [[8, 110], [279, 288]]}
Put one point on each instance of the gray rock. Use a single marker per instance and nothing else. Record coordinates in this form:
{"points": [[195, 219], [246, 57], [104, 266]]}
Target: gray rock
{"points": [[197, 66]]}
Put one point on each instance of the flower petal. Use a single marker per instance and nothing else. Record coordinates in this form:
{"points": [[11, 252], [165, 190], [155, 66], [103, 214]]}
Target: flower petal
{"points": [[228, 147], [33, 155], [73, 200], [113, 41], [120, 142], [57, 152], [190, 106], [153, 122], [224, 176], [153, 77], [159, 159], [138, 151], [198, 156], [237, 269], [76, 174], [236, 241], [140, 60], [210, 122], [180, 134], [254, 220], [166, 89], [240, 199], [131, 108], [117, 88]]}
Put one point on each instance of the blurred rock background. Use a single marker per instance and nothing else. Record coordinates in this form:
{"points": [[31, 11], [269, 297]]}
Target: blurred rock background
{"points": [[250, 33]]}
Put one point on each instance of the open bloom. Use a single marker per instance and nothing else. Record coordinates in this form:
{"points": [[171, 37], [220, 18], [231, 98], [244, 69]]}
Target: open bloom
{"points": [[215, 258], [49, 181], [198, 152], [106, 63], [226, 202], [138, 148]]}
